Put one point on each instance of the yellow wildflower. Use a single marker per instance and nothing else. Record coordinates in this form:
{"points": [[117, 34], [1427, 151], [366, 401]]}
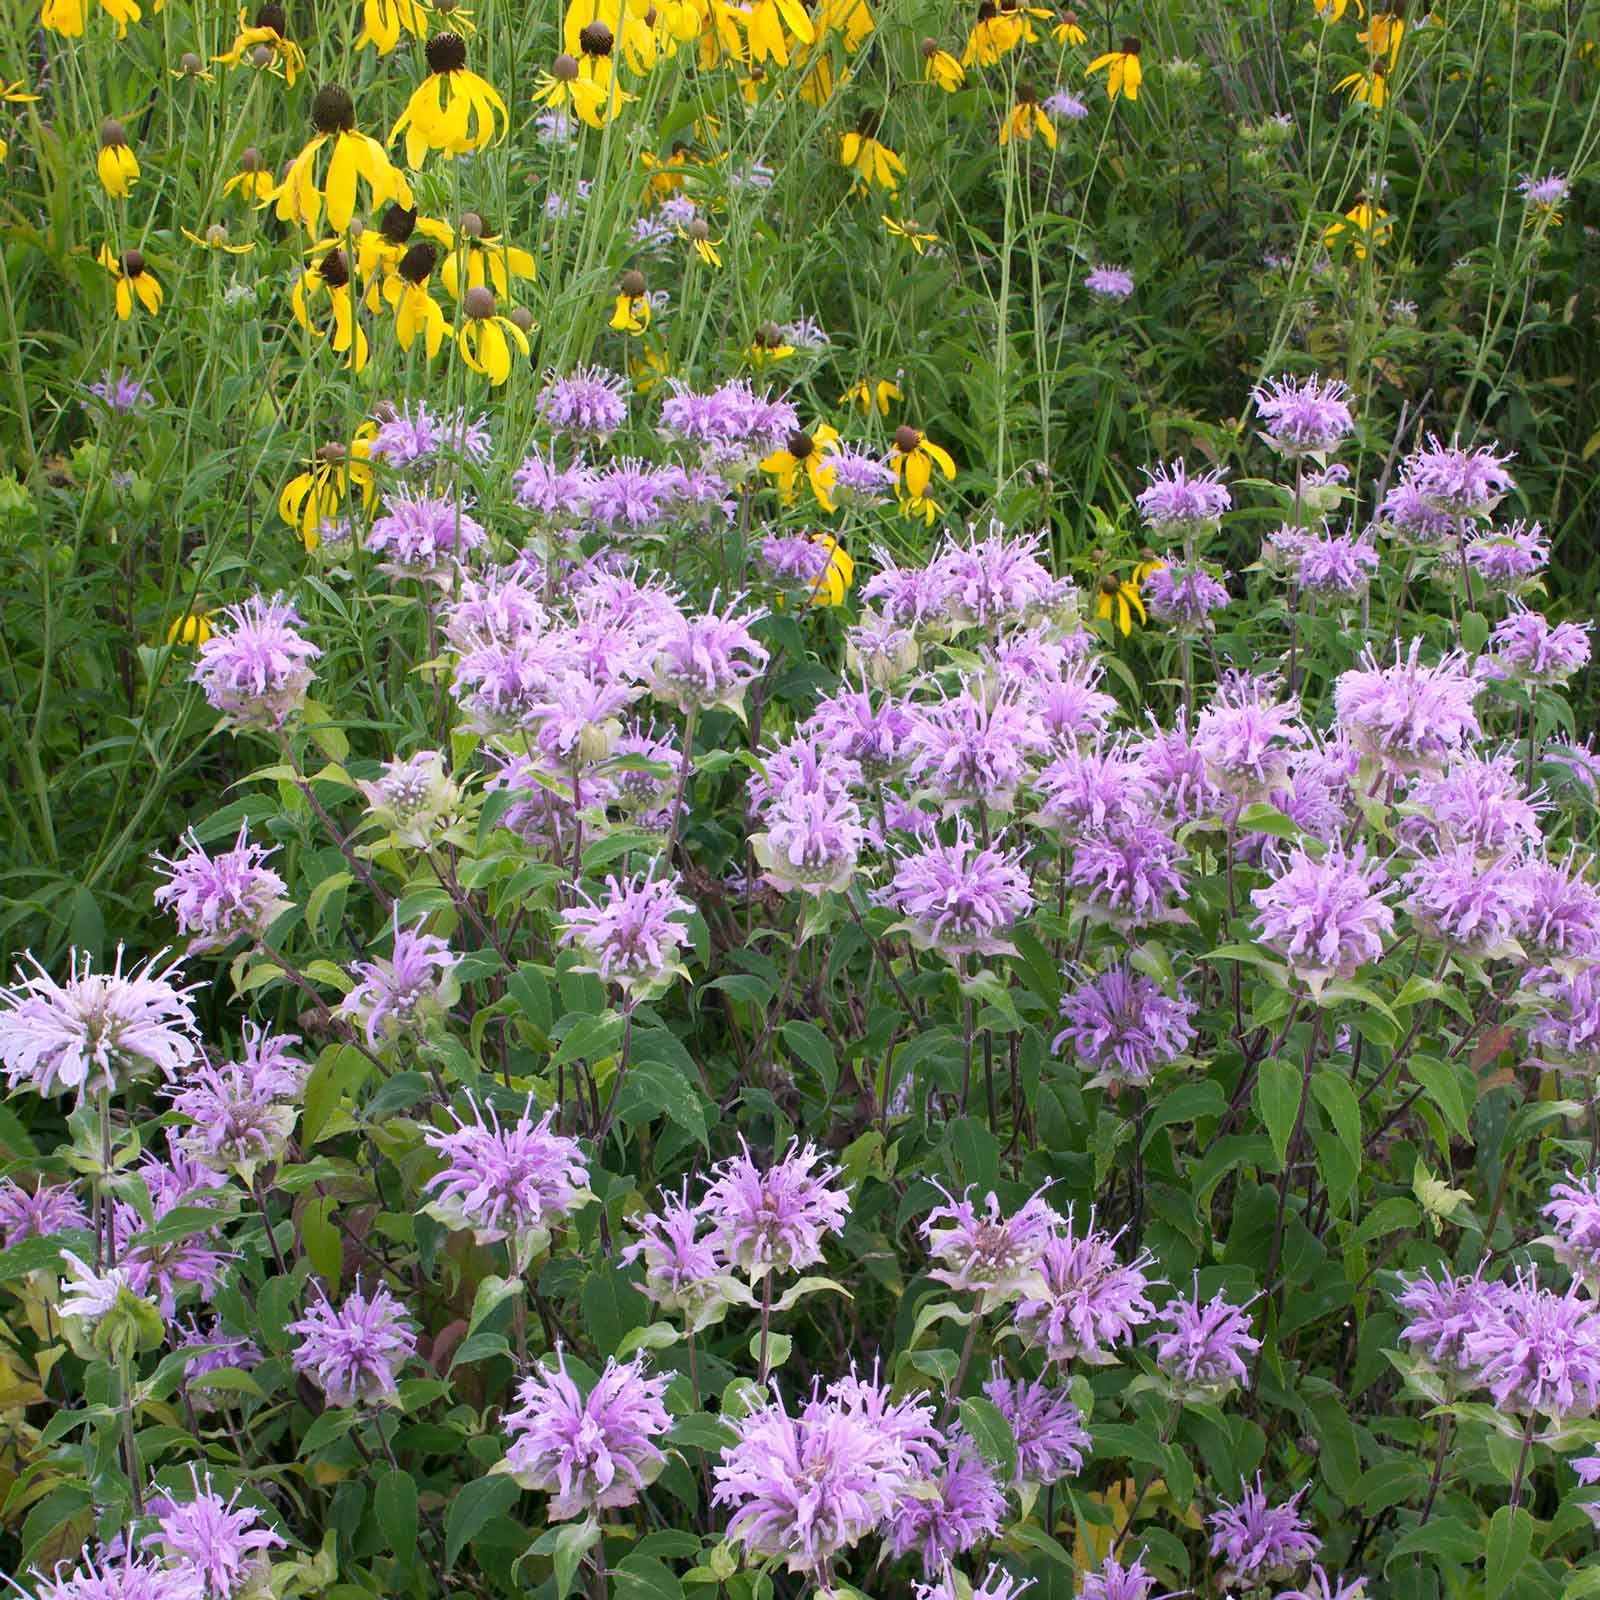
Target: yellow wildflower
{"points": [[383, 21], [914, 457], [134, 280], [117, 166], [268, 32], [912, 231], [313, 497], [1026, 118], [941, 68], [1364, 222], [872, 161], [867, 395], [1117, 602], [483, 336], [804, 454], [1123, 72], [353, 156], [1069, 30]]}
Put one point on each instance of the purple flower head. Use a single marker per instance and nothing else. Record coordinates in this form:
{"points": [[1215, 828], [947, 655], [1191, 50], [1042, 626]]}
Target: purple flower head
{"points": [[1574, 1213], [1505, 560], [1203, 1350], [775, 1220], [1186, 595], [221, 1541], [1113, 1581], [232, 1352], [498, 610], [633, 937], [1247, 738], [698, 490], [970, 747], [1177, 769], [984, 1252], [243, 1111], [1567, 1026], [1536, 1352], [556, 495], [1579, 761], [804, 1487], [860, 479], [812, 839], [1547, 193], [1457, 899], [1327, 916], [122, 394], [871, 733], [499, 1182], [591, 1452], [1073, 706], [1480, 802], [127, 1578], [960, 899], [354, 1351], [794, 560], [1065, 105], [506, 687], [256, 669], [1109, 283], [881, 650], [96, 1030], [718, 418], [708, 660], [805, 333], [683, 1271], [995, 580], [1319, 794], [1304, 417], [412, 798], [628, 496], [1088, 1300], [1443, 1312], [1332, 566], [575, 718], [399, 992], [912, 597], [1260, 1544], [37, 1213], [1046, 1425], [1319, 1586], [1456, 481], [909, 1421], [1129, 875], [410, 436], [162, 1272], [1409, 717], [1177, 505], [1527, 648], [965, 1505], [218, 899], [1562, 920], [1091, 788], [1404, 513], [590, 401], [1124, 1025]]}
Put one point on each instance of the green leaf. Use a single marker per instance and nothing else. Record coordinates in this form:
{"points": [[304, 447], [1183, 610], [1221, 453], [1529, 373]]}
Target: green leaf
{"points": [[810, 1043], [611, 1308], [395, 1501], [573, 1542], [642, 1577], [398, 1093], [1277, 1100], [1448, 1538], [44, 1254], [474, 1506], [991, 1433], [1443, 1088], [701, 1431], [491, 1292], [323, 1244], [1510, 1540], [1189, 1102], [1338, 1099], [652, 1088]]}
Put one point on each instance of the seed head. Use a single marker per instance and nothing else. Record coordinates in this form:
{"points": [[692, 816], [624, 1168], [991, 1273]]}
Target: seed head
{"points": [[330, 453], [190, 63], [217, 235], [261, 56], [479, 302], [930, 48], [472, 224], [133, 262], [335, 269], [418, 262], [906, 439], [699, 228], [333, 111], [250, 161], [521, 317], [1131, 46], [273, 16], [595, 39], [564, 68], [399, 223], [446, 52], [112, 133], [631, 283]]}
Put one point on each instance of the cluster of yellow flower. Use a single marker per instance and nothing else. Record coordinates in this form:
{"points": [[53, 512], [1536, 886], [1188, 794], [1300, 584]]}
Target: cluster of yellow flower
{"points": [[1369, 84]]}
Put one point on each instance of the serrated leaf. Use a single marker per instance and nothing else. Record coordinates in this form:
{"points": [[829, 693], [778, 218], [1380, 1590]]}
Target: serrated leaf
{"points": [[1277, 1099], [1510, 1540], [395, 1501], [475, 1504], [992, 1434]]}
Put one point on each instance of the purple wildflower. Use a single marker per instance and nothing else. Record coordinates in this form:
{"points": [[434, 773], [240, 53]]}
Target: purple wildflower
{"points": [[1443, 1312], [1087, 1300], [1260, 1544], [1247, 738], [1066, 105], [1319, 1586], [1404, 513], [1124, 1025], [1562, 920], [1479, 801], [557, 495], [1203, 1350], [1178, 770], [164, 1271], [1547, 193], [1333, 566], [410, 436], [1177, 505], [97, 1029], [707, 660], [37, 1213], [971, 747], [1091, 788], [1326, 917], [256, 669], [218, 899], [1046, 1425], [1538, 1353], [220, 1351], [960, 899], [126, 1579], [683, 1271], [243, 1111], [1409, 717], [354, 1352], [1507, 559], [399, 991], [1527, 648], [986, 1253], [965, 1505], [995, 580], [860, 479], [1457, 481], [1113, 1581], [1574, 1213], [1457, 899], [871, 734], [1304, 417], [1186, 595], [632, 938], [812, 839], [122, 394], [589, 401], [794, 560], [1073, 706], [912, 597], [1128, 876], [591, 1452], [775, 1220], [627, 496], [218, 1539], [498, 1182], [1109, 283], [1568, 1022], [412, 798], [495, 611], [880, 649]]}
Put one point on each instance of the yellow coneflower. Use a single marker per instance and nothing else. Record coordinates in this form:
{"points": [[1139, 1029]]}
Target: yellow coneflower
{"points": [[13, 94], [648, 368], [1363, 222], [1147, 563], [332, 274], [117, 166], [992, 34], [354, 156], [415, 310], [698, 233], [216, 238], [867, 395], [1334, 10], [1117, 602], [914, 457], [488, 259], [921, 507], [564, 87], [380, 249], [268, 32], [629, 18], [940, 68], [68, 17], [912, 231], [596, 43], [804, 455], [666, 176], [134, 280], [838, 577], [1383, 33], [767, 345], [452, 109], [252, 179], [1369, 88], [190, 628], [313, 497], [850, 19], [721, 34], [818, 85], [1123, 72], [677, 22], [1068, 30], [456, 17], [1026, 118], [191, 66], [483, 336], [872, 161], [383, 21], [765, 24]]}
